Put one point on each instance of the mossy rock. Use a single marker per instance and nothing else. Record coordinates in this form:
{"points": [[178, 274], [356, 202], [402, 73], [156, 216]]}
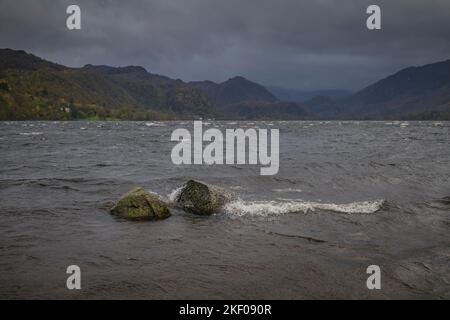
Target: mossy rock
{"points": [[138, 204], [203, 199]]}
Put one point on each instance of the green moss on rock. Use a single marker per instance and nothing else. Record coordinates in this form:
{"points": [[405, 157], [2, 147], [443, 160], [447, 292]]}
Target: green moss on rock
{"points": [[203, 199], [138, 204]]}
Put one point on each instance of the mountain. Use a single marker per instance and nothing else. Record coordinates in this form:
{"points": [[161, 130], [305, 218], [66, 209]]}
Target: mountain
{"points": [[33, 88], [234, 91], [322, 107], [295, 95], [20, 60], [405, 94], [239, 98], [260, 110]]}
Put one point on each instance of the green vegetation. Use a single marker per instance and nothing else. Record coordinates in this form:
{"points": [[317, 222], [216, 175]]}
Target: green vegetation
{"points": [[34, 89], [37, 108]]}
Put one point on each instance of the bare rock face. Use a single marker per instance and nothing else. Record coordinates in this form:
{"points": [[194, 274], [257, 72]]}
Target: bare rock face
{"points": [[137, 204], [203, 199]]}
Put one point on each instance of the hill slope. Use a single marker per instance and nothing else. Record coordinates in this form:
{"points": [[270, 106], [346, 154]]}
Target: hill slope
{"points": [[32, 88], [294, 95], [233, 91], [408, 92]]}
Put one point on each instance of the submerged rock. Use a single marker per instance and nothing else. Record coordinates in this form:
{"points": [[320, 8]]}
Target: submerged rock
{"points": [[140, 205], [202, 199]]}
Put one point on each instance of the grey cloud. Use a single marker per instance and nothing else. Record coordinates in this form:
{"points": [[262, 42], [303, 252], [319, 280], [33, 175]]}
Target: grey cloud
{"points": [[300, 44]]}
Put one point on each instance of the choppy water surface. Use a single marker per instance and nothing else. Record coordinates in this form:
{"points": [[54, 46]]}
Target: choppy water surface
{"points": [[348, 195]]}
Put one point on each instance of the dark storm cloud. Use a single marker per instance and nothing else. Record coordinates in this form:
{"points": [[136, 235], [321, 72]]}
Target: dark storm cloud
{"points": [[303, 44]]}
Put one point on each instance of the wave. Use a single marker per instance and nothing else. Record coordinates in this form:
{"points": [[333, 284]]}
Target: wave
{"points": [[31, 133], [270, 208], [287, 190], [284, 206], [174, 194], [155, 124]]}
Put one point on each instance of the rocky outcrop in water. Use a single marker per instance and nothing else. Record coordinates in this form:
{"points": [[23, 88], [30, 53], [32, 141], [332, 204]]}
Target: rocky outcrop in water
{"points": [[138, 204], [203, 199]]}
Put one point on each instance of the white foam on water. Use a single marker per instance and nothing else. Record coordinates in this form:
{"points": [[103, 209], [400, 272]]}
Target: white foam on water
{"points": [[270, 208], [174, 194], [287, 190], [31, 133], [154, 124]]}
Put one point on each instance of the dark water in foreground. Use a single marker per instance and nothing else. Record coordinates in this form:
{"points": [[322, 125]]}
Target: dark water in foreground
{"points": [[348, 195]]}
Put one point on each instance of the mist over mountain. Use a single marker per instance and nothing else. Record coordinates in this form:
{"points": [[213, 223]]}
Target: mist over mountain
{"points": [[33, 88]]}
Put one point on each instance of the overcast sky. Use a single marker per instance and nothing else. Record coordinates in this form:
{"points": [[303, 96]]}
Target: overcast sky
{"points": [[307, 45]]}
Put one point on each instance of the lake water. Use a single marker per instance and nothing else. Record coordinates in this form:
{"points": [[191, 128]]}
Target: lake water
{"points": [[347, 195]]}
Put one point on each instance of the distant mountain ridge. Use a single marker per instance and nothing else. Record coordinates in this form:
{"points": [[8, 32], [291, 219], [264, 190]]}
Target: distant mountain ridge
{"points": [[413, 93], [234, 90], [410, 91], [33, 88], [287, 94]]}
